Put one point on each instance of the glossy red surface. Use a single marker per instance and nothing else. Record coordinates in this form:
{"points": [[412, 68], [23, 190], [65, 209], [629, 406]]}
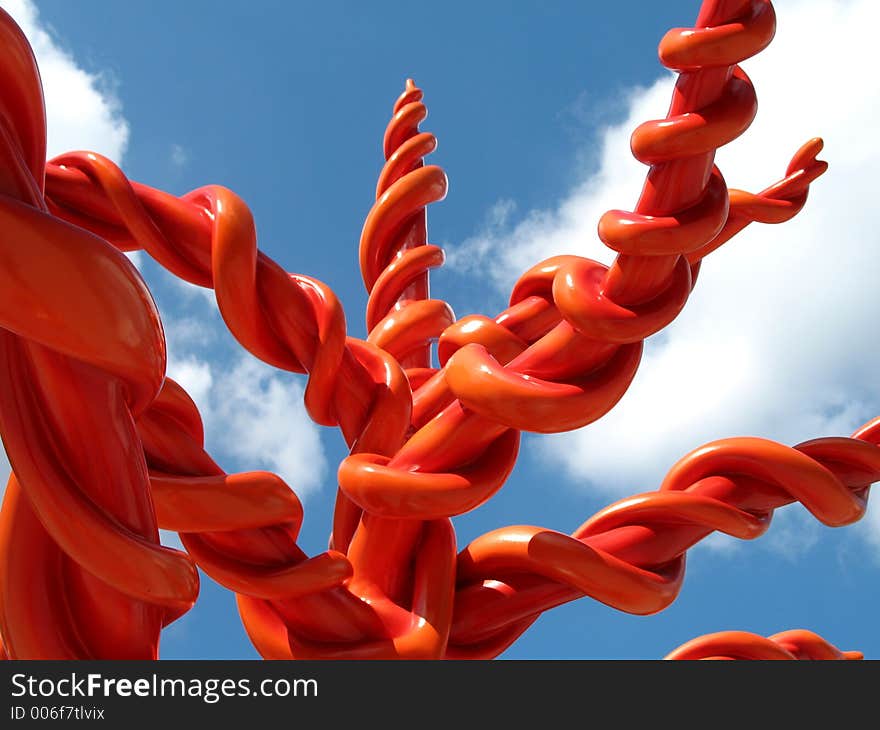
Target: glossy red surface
{"points": [[105, 449], [787, 645]]}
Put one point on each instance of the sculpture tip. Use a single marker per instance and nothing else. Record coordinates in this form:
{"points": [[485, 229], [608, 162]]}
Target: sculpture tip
{"points": [[411, 93], [805, 159], [411, 89]]}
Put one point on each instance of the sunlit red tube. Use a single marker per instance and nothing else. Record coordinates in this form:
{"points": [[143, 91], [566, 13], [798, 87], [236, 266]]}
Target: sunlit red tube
{"points": [[679, 181], [731, 485], [83, 574], [787, 646], [402, 320]]}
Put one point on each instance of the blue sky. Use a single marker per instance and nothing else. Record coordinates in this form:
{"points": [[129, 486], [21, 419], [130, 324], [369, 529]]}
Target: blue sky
{"points": [[286, 104]]}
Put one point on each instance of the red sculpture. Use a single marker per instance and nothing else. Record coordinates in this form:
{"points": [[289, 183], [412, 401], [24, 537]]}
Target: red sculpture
{"points": [[105, 449], [788, 645]]}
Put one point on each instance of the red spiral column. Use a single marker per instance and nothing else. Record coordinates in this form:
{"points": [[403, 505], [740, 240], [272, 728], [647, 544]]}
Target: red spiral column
{"points": [[631, 555], [394, 253], [82, 355], [401, 318]]}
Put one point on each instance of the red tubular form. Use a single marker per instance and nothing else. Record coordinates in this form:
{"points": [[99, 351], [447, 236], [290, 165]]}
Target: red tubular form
{"points": [[401, 319], [426, 443], [631, 555], [82, 574], [394, 252], [224, 519], [330, 605], [787, 645]]}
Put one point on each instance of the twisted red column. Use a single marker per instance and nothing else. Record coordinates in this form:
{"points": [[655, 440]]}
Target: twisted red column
{"points": [[394, 253], [82, 355], [631, 555], [787, 645], [401, 319]]}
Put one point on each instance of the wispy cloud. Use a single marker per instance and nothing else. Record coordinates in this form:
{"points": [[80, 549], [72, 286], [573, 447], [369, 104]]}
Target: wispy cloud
{"points": [[179, 155], [870, 526], [778, 339], [82, 110], [254, 415], [793, 533]]}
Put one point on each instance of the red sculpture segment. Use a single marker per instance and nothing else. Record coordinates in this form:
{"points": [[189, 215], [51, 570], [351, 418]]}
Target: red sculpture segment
{"points": [[787, 645]]}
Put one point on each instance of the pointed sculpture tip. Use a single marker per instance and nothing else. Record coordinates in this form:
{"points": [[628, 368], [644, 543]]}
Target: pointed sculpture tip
{"points": [[410, 94], [812, 147]]}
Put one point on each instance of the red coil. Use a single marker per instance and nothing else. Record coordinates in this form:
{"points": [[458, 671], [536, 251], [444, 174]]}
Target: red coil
{"points": [[394, 253], [83, 574], [787, 645], [631, 554]]}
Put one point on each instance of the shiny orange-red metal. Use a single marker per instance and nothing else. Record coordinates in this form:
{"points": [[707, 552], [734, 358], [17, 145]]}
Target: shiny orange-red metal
{"points": [[105, 449], [786, 645]]}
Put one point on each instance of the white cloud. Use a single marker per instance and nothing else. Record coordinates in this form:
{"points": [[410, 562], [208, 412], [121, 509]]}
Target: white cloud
{"points": [[179, 155], [779, 338], [82, 112], [793, 532], [194, 375], [870, 525], [253, 414], [259, 417]]}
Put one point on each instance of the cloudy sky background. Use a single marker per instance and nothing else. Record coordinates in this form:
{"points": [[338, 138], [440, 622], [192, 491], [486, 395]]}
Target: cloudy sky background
{"points": [[776, 341]]}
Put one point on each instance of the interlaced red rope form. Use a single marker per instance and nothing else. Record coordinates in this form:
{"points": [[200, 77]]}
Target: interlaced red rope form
{"points": [[787, 645], [105, 449]]}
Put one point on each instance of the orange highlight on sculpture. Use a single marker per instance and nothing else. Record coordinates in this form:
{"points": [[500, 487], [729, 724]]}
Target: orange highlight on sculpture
{"points": [[430, 437], [786, 646]]}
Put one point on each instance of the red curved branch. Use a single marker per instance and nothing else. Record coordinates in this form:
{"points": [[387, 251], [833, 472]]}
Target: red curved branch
{"points": [[631, 555], [82, 573], [787, 645]]}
